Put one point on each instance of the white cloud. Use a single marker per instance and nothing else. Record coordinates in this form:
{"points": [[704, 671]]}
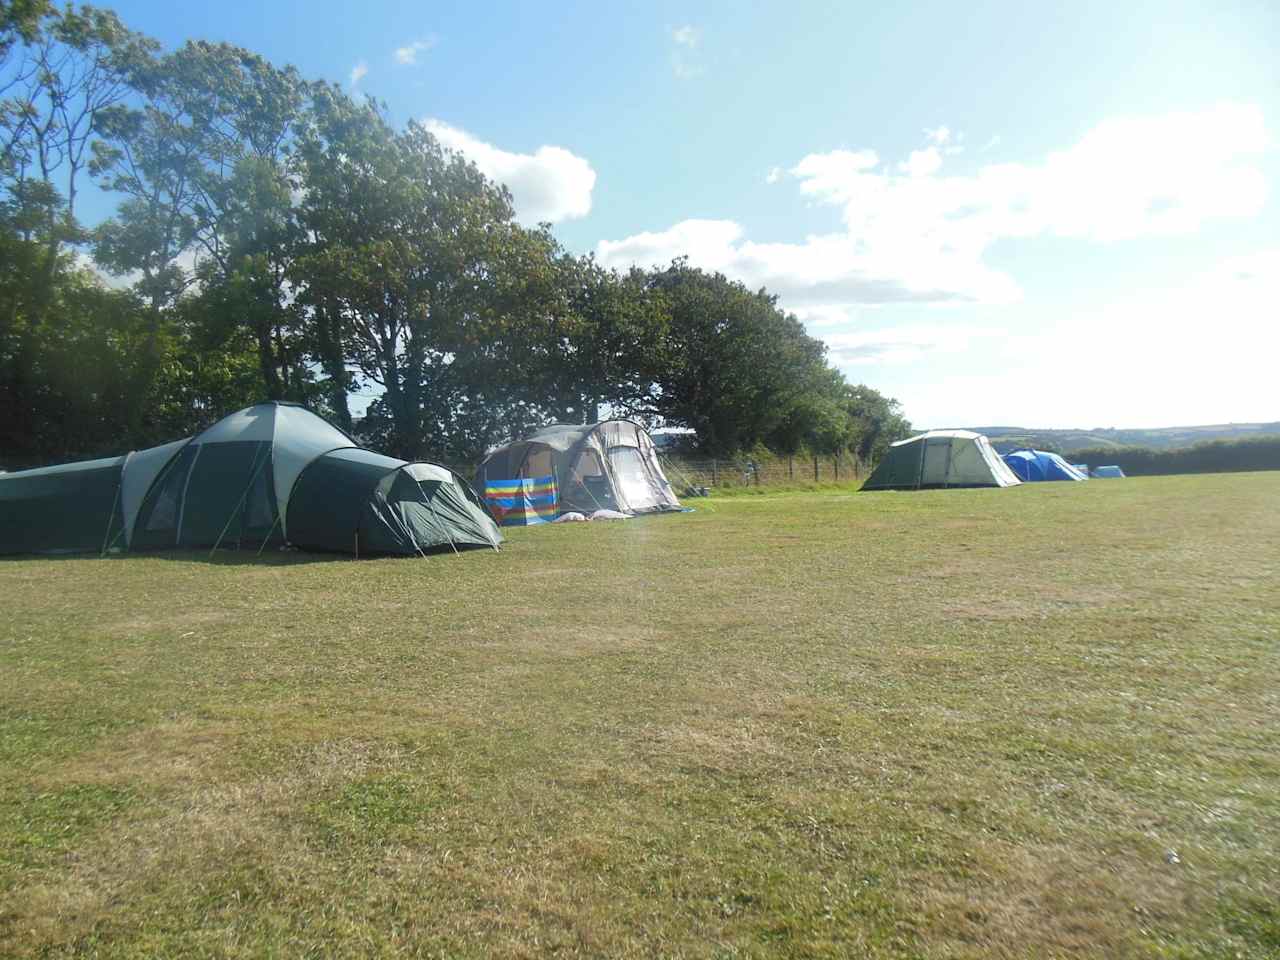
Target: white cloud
{"points": [[914, 233], [938, 136], [921, 163], [408, 55], [358, 73], [829, 269], [774, 175], [552, 184], [903, 344], [1198, 351], [685, 62], [686, 36]]}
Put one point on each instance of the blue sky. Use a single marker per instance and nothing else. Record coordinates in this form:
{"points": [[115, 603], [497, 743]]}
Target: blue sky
{"points": [[1048, 214]]}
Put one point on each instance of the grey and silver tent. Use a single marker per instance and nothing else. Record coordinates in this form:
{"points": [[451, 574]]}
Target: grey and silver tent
{"points": [[1108, 472], [612, 465], [271, 473], [941, 459]]}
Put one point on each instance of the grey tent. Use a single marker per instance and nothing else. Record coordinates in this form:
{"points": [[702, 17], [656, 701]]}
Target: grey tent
{"points": [[612, 465], [272, 473], [1108, 472], [941, 459]]}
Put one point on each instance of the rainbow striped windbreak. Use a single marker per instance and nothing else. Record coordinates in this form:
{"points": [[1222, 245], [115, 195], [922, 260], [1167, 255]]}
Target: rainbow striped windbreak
{"points": [[522, 502]]}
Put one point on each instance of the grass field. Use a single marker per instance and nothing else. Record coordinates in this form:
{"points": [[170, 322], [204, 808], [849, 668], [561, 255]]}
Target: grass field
{"points": [[1023, 723]]}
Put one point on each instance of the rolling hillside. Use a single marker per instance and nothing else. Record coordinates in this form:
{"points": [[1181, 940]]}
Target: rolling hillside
{"points": [[1162, 438]]}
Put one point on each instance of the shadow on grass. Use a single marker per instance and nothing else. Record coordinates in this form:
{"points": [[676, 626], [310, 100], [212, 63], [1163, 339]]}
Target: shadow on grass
{"points": [[273, 557], [292, 557], [232, 557]]}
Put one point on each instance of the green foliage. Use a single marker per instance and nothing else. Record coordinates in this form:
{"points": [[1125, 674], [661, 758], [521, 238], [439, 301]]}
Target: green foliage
{"points": [[1212, 456], [283, 240]]}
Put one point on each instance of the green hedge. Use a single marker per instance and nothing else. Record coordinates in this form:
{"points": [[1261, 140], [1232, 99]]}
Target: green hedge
{"points": [[1211, 456]]}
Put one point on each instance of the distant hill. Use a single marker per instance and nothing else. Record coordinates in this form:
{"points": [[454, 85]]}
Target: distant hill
{"points": [[1162, 438]]}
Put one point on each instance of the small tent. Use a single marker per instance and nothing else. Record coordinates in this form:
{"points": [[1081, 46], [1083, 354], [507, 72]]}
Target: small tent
{"points": [[941, 459], [1036, 465], [1108, 472], [612, 465], [1083, 468], [271, 473]]}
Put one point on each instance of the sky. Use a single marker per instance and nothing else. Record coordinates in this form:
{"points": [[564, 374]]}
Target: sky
{"points": [[1046, 215]]}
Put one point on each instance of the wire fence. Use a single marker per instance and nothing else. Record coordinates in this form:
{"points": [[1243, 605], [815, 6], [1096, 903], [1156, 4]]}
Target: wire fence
{"points": [[692, 475]]}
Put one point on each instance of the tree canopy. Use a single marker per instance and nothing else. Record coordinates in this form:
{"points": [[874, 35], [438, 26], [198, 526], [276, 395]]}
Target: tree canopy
{"points": [[276, 238]]}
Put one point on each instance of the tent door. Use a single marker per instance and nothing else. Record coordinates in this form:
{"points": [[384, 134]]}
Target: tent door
{"points": [[936, 463]]}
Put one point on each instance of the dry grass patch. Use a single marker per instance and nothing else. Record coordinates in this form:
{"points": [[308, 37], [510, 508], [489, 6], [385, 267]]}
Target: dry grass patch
{"points": [[1025, 723]]}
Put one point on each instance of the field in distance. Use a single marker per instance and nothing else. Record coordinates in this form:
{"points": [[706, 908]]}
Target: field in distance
{"points": [[1033, 722], [1158, 438]]}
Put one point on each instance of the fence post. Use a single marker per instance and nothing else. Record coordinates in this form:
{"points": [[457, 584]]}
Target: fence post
{"points": [[715, 473], [815, 468], [791, 467], [836, 461]]}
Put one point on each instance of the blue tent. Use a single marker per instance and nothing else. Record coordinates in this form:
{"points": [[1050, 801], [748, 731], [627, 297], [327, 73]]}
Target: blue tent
{"points": [[1032, 465], [1108, 471]]}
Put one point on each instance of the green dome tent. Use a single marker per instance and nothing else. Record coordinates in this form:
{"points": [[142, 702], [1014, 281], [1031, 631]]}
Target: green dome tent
{"points": [[271, 473], [941, 459]]}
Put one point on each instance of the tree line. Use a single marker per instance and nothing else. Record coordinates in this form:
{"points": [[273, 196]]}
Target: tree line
{"points": [[1209, 456], [273, 237]]}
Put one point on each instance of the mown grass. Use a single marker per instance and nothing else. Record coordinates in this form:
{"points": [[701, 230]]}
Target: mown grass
{"points": [[1024, 723]]}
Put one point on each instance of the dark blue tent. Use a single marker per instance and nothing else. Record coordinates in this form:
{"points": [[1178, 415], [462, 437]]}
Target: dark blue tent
{"points": [[1032, 465]]}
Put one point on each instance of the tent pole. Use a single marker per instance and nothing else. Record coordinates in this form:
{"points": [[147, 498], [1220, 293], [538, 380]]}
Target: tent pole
{"points": [[409, 529], [116, 538], [417, 546], [267, 538], [435, 517], [244, 496], [682, 477], [112, 515]]}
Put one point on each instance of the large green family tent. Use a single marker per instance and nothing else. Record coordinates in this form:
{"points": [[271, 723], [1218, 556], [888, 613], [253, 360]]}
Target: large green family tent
{"points": [[940, 459], [274, 473], [1039, 465], [564, 468]]}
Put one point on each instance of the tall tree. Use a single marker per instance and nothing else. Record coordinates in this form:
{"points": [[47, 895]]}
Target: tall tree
{"points": [[877, 421], [731, 364], [404, 248], [204, 164], [74, 65]]}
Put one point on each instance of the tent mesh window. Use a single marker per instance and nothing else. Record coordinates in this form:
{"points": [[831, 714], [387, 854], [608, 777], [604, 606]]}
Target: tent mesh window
{"points": [[157, 523]]}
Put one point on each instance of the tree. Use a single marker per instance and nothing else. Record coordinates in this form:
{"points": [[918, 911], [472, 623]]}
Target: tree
{"points": [[877, 422], [731, 365], [409, 250], [74, 66], [204, 164]]}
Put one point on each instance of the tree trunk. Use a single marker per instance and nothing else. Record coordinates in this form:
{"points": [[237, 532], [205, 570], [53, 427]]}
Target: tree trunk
{"points": [[267, 362], [330, 350]]}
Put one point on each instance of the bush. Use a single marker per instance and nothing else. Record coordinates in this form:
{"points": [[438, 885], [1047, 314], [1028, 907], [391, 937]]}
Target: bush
{"points": [[1211, 456]]}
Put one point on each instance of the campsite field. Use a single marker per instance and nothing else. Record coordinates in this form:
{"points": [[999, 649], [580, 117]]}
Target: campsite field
{"points": [[1033, 722]]}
